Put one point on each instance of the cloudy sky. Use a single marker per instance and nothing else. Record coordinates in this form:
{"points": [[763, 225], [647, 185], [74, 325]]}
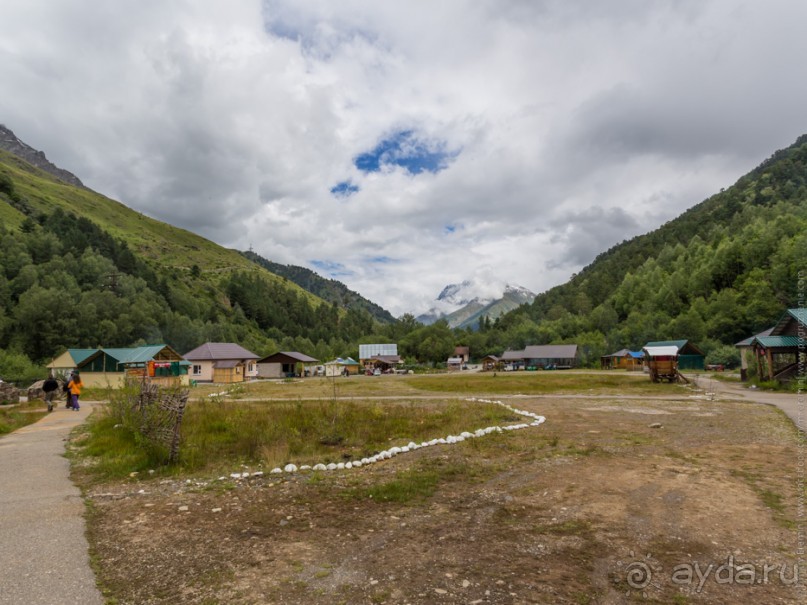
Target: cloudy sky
{"points": [[403, 146]]}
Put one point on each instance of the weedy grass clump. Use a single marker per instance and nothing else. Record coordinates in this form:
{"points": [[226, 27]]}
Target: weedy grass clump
{"points": [[221, 434]]}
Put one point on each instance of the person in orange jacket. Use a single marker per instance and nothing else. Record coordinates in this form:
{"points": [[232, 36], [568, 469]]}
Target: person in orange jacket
{"points": [[74, 388]]}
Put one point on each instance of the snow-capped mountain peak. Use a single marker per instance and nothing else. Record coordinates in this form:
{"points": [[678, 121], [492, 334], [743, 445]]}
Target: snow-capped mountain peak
{"points": [[462, 304]]}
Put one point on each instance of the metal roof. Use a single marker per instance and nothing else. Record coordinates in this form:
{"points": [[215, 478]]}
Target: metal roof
{"points": [[775, 342], [282, 356], [680, 344], [550, 352], [80, 355], [132, 355], [368, 351], [211, 351], [661, 351], [746, 342], [797, 315], [342, 362]]}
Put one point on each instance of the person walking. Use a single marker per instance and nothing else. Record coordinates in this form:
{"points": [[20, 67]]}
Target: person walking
{"points": [[50, 387], [74, 388]]}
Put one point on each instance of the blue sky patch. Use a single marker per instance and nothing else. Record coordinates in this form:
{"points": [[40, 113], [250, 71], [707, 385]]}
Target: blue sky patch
{"points": [[331, 269], [404, 148], [344, 189], [380, 260]]}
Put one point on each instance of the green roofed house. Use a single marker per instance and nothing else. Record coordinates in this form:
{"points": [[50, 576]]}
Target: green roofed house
{"points": [[109, 367], [690, 357], [342, 367], [69, 360], [777, 354]]}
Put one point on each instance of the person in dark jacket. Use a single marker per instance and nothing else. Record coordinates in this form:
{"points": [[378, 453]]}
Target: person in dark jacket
{"points": [[50, 387]]}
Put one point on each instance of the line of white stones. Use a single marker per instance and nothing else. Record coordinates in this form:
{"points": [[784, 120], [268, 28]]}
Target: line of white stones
{"points": [[394, 451]]}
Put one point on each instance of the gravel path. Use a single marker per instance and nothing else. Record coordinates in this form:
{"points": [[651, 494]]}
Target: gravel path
{"points": [[43, 552]]}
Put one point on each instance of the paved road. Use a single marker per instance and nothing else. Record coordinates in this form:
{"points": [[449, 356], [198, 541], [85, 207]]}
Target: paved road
{"points": [[43, 549], [792, 404]]}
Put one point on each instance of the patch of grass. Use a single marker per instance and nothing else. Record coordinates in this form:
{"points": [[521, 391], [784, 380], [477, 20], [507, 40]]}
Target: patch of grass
{"points": [[113, 451], [13, 418], [536, 383], [220, 434], [416, 484], [571, 527], [770, 499], [582, 450], [454, 384]]}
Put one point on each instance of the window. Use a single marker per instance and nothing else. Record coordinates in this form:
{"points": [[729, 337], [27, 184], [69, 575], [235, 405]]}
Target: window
{"points": [[197, 370]]}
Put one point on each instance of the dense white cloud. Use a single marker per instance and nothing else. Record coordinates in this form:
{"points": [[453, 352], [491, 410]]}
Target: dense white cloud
{"points": [[547, 130]]}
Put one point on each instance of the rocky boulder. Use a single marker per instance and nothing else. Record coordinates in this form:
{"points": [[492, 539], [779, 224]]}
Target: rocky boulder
{"points": [[9, 393]]}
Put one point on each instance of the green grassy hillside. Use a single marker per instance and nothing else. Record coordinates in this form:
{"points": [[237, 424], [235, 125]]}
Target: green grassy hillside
{"points": [[723, 270], [78, 269]]}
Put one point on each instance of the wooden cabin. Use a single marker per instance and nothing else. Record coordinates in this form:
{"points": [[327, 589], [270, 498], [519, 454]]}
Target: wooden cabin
{"points": [[623, 360], [777, 355], [490, 362]]}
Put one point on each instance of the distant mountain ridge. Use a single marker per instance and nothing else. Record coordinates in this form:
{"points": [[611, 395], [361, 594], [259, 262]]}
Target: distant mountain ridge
{"points": [[9, 142], [463, 305], [330, 290]]}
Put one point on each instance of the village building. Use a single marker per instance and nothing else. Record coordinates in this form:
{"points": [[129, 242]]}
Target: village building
{"points": [[463, 353], [490, 362], [342, 367], [382, 357], [745, 349], [222, 362], [454, 363], [110, 367], [544, 357], [690, 357], [623, 360], [285, 364], [777, 354], [69, 360]]}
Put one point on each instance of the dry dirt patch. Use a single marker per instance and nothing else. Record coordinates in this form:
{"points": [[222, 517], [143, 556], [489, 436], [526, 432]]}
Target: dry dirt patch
{"points": [[554, 514]]}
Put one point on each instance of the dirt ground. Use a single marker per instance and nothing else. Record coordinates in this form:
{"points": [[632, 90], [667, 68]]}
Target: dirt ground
{"points": [[609, 501]]}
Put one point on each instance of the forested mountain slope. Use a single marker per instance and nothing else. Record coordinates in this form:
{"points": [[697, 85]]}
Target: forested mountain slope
{"points": [[78, 269], [725, 269], [330, 290]]}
